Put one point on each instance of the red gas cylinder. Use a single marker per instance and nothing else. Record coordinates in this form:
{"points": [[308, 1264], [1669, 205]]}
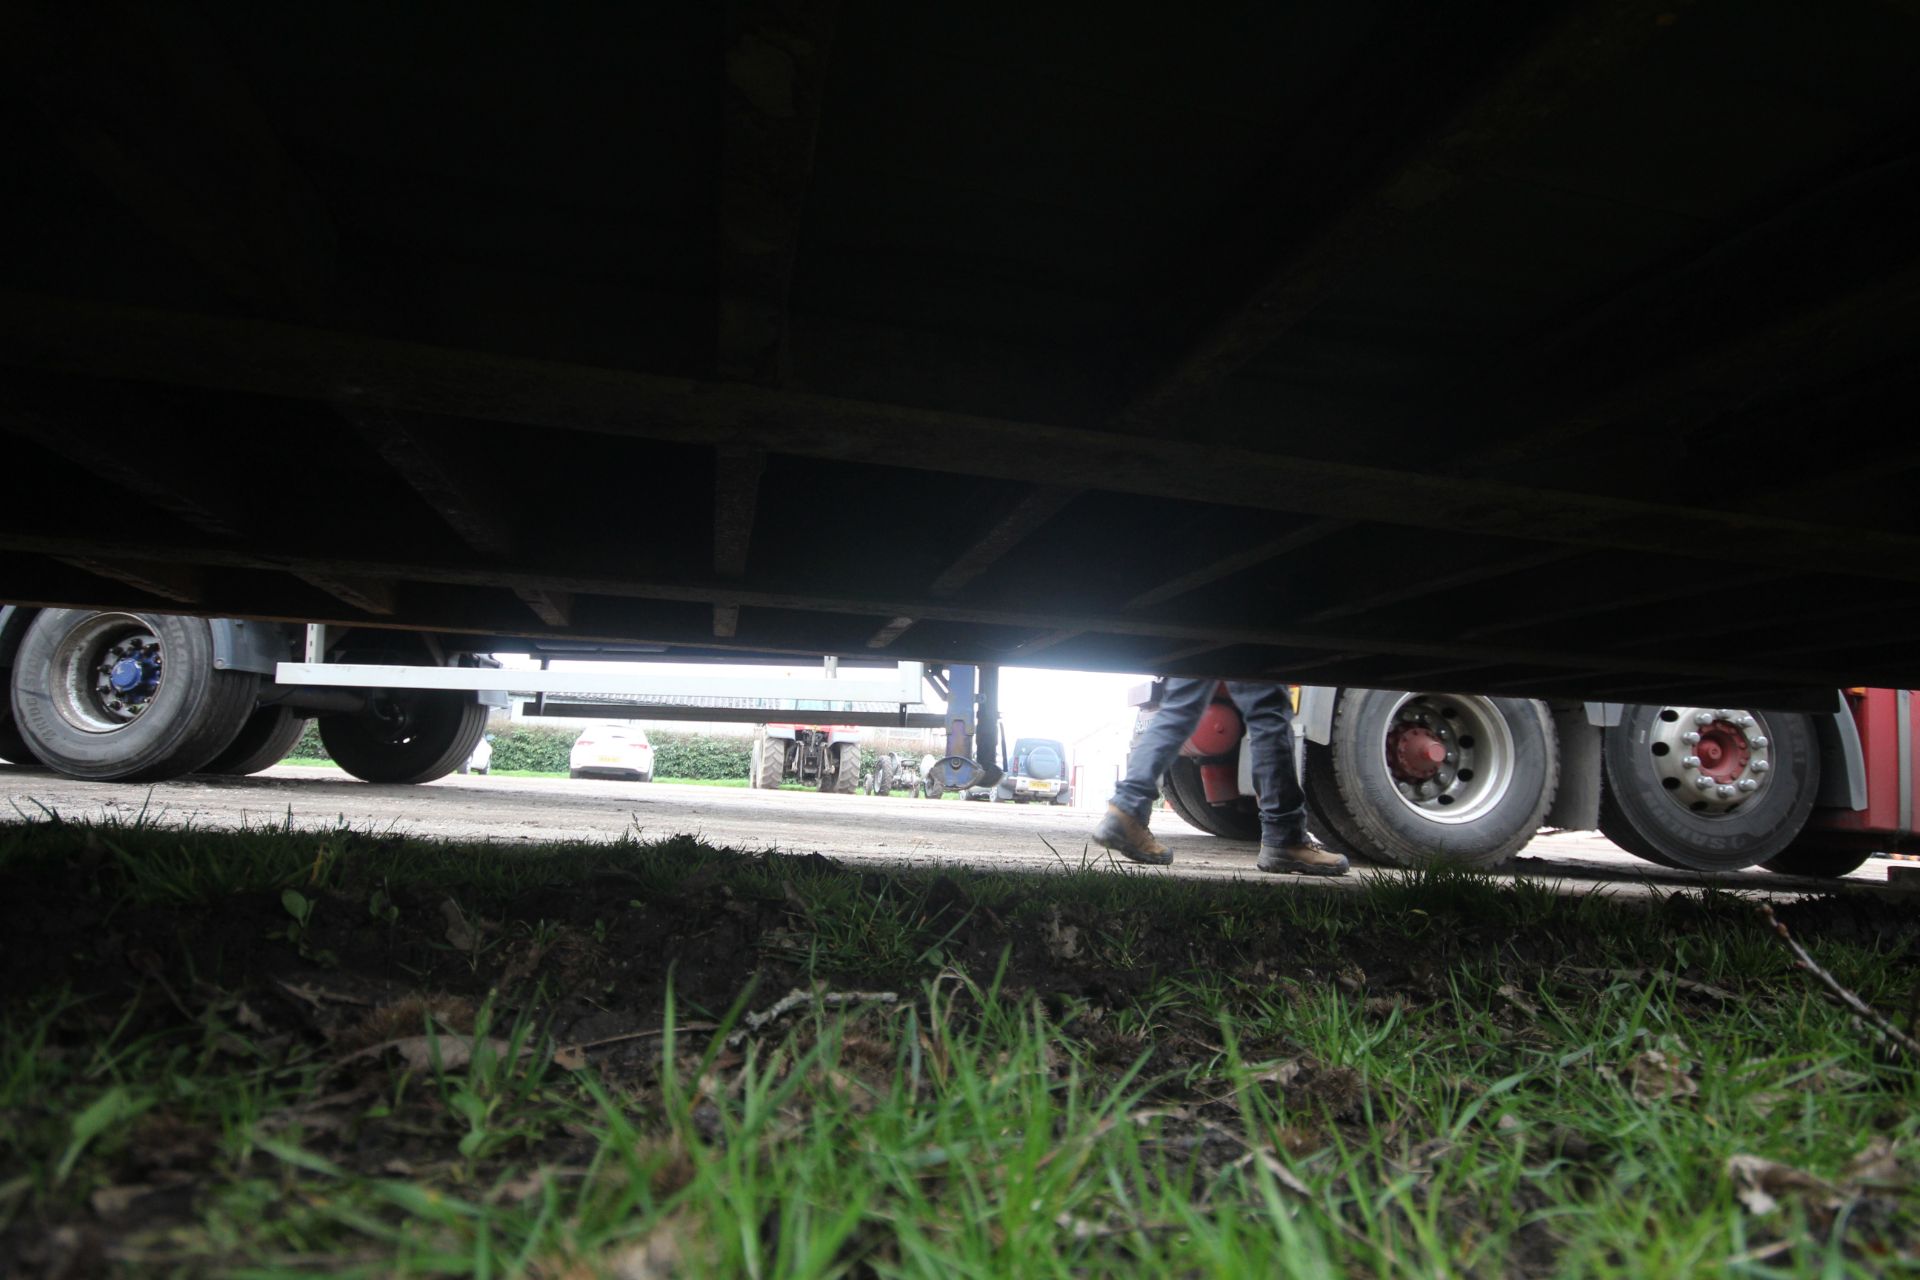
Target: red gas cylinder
{"points": [[1218, 733]]}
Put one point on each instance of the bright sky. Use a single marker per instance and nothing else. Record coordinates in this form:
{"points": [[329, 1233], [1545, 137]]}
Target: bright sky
{"points": [[1068, 705]]}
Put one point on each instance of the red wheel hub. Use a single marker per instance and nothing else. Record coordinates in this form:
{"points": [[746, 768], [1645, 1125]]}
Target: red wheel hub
{"points": [[1723, 752], [1413, 753]]}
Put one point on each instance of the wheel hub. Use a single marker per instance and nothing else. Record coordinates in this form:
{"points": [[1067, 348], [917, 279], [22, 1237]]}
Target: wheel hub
{"points": [[1450, 756], [109, 671], [1710, 760], [1414, 752]]}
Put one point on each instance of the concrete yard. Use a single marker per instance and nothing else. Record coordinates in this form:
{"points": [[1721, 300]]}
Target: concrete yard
{"points": [[863, 828]]}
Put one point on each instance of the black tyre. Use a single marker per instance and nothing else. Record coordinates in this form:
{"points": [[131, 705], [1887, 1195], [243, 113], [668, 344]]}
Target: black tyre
{"points": [[1703, 816], [1417, 778], [1326, 818], [13, 746], [125, 696], [263, 741], [423, 734], [883, 777], [846, 770], [769, 762], [1808, 857], [1186, 795]]}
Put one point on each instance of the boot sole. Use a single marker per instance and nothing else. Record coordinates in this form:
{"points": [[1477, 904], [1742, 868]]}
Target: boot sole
{"points": [[1301, 869], [1145, 859]]}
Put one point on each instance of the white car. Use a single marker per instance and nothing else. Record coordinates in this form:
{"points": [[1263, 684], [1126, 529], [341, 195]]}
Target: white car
{"points": [[481, 761], [612, 751]]}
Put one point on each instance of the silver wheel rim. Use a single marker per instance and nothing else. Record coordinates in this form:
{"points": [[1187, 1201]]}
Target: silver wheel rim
{"points": [[1473, 768], [1710, 761], [90, 665]]}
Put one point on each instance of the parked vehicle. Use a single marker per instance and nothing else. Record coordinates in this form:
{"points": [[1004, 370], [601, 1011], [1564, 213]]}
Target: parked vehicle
{"points": [[1407, 777], [612, 751], [823, 756], [894, 772], [481, 761], [1036, 774]]}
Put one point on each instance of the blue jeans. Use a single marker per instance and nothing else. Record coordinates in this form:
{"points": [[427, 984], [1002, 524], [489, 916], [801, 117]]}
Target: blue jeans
{"points": [[1268, 710]]}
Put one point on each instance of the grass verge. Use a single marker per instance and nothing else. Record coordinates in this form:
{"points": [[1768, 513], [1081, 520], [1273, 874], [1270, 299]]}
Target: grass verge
{"points": [[256, 1053]]}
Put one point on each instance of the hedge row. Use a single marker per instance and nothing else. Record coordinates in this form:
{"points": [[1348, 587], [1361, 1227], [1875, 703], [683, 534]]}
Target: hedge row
{"points": [[544, 749]]}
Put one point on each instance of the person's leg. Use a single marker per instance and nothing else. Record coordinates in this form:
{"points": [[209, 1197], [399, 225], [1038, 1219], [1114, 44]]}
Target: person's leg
{"points": [[1284, 842], [1124, 829], [1268, 710], [1181, 704]]}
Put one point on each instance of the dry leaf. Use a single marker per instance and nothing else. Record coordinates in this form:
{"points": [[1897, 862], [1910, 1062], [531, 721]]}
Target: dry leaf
{"points": [[1877, 1166], [1518, 999], [1760, 1183], [1654, 1077], [1062, 939], [658, 1257], [462, 933], [453, 1050], [111, 1202]]}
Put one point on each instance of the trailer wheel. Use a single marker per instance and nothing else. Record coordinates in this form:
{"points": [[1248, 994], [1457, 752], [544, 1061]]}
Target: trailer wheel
{"points": [[108, 696], [1440, 777], [264, 741], [1807, 857], [1186, 795], [769, 762], [1706, 788], [417, 735]]}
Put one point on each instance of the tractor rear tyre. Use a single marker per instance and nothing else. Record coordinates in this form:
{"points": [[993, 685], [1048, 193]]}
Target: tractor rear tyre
{"points": [[769, 762], [125, 697], [426, 735], [846, 770], [1736, 795], [882, 777], [264, 741]]}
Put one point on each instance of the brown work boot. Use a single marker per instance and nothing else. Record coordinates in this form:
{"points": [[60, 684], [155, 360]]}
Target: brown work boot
{"points": [[1128, 836], [1304, 859]]}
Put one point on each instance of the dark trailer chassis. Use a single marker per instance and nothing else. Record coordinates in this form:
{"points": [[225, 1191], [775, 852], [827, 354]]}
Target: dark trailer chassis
{"points": [[1547, 349]]}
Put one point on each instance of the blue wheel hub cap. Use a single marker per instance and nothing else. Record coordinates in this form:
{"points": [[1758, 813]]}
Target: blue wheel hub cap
{"points": [[132, 675]]}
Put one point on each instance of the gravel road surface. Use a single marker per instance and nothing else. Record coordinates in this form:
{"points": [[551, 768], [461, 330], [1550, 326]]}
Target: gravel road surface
{"points": [[889, 829]]}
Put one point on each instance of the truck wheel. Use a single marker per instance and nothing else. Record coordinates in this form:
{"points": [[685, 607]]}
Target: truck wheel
{"points": [[426, 735], [13, 747], [1422, 778], [1326, 820], [112, 697], [264, 741], [1807, 857], [769, 763], [1186, 795], [846, 770], [1705, 788]]}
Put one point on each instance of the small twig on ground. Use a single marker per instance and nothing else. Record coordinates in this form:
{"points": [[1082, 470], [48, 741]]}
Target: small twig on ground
{"points": [[797, 998], [1861, 1010], [584, 1045]]}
